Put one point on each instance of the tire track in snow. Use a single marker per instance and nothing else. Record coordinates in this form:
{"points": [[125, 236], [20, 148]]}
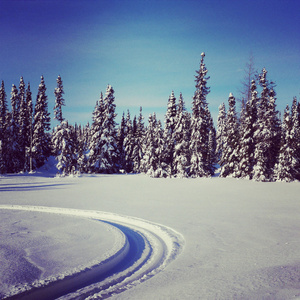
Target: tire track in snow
{"points": [[148, 249]]}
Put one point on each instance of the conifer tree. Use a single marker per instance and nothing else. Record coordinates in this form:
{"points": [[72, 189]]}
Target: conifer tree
{"points": [[267, 132], [295, 138], [220, 130], [285, 168], [4, 126], [230, 158], [199, 148], [137, 152], [169, 133], [41, 125], [23, 125], [59, 100], [122, 131], [129, 144], [247, 128], [212, 145], [29, 129], [95, 144], [182, 138], [14, 154]]}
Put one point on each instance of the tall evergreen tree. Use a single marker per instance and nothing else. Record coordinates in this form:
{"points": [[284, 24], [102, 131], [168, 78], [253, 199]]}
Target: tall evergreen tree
{"points": [[200, 125], [137, 153], [285, 168], [169, 133], [267, 132], [4, 134], [129, 144], [247, 129], [29, 130], [121, 134], [182, 138], [59, 100], [41, 125], [220, 130], [230, 157]]}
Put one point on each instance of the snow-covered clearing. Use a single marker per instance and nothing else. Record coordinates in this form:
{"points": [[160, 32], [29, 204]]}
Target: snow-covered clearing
{"points": [[240, 239]]}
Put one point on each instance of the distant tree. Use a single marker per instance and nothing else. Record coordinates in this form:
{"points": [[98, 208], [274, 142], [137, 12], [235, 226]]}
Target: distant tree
{"points": [[4, 134], [285, 168], [212, 145], [247, 129], [29, 130], [199, 148], [169, 133], [41, 125], [129, 144], [121, 134], [220, 130], [267, 131], [230, 154], [182, 139], [137, 152], [59, 100]]}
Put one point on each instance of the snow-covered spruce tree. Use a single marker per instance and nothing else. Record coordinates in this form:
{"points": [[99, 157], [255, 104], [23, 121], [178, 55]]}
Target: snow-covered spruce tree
{"points": [[230, 154], [199, 148], [4, 134], [220, 130], [64, 143], [41, 149], [182, 137], [212, 145], [267, 133], [59, 100], [23, 125], [103, 148], [152, 163], [247, 128], [295, 138], [137, 153], [122, 131], [29, 125], [129, 144], [95, 144], [169, 134], [285, 168], [14, 153], [82, 147]]}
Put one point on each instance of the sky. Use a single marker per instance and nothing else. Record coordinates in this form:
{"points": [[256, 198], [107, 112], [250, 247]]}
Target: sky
{"points": [[146, 49]]}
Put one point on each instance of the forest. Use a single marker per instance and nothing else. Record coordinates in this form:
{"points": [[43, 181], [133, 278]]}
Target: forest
{"points": [[255, 143]]}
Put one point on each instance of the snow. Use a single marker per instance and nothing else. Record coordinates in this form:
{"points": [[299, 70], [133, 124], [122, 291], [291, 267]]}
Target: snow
{"points": [[240, 238]]}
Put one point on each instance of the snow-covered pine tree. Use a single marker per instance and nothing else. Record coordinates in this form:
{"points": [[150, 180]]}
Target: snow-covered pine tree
{"points": [[4, 134], [14, 153], [103, 145], [212, 145], [230, 157], [129, 144], [285, 168], [247, 128], [122, 131], [169, 133], [95, 144], [182, 138], [59, 100], [23, 125], [29, 130], [220, 130], [199, 148], [137, 153], [41, 149], [295, 138], [64, 143], [267, 132]]}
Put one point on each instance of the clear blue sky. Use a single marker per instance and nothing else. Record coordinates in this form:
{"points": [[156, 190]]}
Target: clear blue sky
{"points": [[147, 48]]}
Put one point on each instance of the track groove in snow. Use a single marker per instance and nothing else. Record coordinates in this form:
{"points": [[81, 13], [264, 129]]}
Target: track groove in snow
{"points": [[148, 248]]}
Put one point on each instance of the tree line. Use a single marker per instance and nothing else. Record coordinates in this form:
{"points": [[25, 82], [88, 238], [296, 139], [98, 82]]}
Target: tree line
{"points": [[253, 144]]}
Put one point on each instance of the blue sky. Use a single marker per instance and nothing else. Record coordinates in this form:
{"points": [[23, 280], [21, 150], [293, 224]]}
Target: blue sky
{"points": [[147, 48]]}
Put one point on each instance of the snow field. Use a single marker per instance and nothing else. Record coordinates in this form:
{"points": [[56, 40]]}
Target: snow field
{"points": [[241, 237]]}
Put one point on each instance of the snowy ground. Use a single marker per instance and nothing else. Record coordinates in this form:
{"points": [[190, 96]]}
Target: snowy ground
{"points": [[241, 239]]}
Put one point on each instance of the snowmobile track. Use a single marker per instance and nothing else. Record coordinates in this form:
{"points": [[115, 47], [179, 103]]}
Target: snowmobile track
{"points": [[148, 248]]}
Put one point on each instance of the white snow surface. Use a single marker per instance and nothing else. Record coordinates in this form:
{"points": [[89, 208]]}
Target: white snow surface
{"points": [[240, 238]]}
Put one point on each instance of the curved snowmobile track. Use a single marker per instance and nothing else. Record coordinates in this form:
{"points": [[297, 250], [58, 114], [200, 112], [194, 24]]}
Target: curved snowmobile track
{"points": [[147, 249]]}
